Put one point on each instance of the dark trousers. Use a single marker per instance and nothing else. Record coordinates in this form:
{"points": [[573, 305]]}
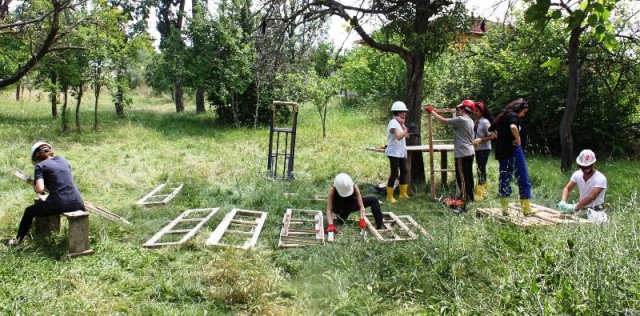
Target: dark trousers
{"points": [[464, 177], [368, 201], [482, 157], [35, 210], [396, 164]]}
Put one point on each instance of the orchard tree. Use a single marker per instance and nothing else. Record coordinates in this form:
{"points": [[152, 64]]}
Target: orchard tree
{"points": [[579, 17], [415, 30]]}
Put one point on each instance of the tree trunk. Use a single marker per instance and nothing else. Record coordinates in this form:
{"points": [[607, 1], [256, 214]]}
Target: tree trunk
{"points": [[566, 138], [179, 92], [65, 116], [413, 99], [54, 95], [200, 108], [255, 115], [96, 93], [79, 99], [18, 86]]}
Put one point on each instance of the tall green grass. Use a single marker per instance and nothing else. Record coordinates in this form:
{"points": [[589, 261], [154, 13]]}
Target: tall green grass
{"points": [[473, 266]]}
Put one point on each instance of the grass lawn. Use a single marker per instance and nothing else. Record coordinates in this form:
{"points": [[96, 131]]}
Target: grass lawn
{"points": [[473, 266]]}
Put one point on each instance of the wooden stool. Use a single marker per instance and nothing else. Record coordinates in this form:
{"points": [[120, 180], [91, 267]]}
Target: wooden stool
{"points": [[78, 233]]}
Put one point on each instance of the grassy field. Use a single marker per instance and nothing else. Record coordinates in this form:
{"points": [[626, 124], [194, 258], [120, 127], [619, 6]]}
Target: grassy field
{"points": [[473, 266]]}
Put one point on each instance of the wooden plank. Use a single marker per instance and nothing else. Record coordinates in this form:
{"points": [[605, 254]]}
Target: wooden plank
{"points": [[514, 217], [143, 200], [168, 229], [257, 225], [87, 205]]}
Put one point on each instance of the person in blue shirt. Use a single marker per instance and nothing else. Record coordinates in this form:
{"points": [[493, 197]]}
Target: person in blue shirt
{"points": [[52, 173]]}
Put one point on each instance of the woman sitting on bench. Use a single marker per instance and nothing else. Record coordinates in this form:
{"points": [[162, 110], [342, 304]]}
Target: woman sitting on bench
{"points": [[52, 173]]}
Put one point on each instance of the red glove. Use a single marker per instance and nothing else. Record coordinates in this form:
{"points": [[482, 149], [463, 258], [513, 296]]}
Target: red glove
{"points": [[362, 223], [331, 228], [429, 109]]}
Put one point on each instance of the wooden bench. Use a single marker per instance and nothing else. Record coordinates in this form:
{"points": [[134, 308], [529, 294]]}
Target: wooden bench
{"points": [[78, 231]]}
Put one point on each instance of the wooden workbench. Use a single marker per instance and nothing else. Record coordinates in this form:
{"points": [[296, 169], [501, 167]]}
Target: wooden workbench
{"points": [[443, 149]]}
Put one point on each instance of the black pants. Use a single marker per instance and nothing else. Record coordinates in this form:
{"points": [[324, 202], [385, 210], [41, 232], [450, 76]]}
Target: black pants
{"points": [[464, 177], [368, 201], [482, 157], [36, 210], [396, 164]]}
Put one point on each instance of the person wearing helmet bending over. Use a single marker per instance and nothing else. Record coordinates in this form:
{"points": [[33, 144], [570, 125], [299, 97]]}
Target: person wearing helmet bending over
{"points": [[396, 150], [344, 198], [592, 185], [52, 173]]}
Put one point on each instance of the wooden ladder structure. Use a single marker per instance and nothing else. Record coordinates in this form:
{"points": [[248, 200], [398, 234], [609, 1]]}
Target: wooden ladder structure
{"points": [[162, 194], [235, 224], [301, 228], [187, 218], [432, 170], [389, 232]]}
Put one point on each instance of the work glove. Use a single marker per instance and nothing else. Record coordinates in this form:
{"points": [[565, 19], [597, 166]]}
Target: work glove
{"points": [[331, 228], [429, 109], [362, 223], [566, 207]]}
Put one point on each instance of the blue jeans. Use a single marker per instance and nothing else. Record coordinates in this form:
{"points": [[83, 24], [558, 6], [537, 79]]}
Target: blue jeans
{"points": [[514, 165]]}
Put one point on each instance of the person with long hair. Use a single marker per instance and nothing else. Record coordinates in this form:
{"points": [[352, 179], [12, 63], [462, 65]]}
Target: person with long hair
{"points": [[463, 151], [396, 151], [52, 173], [482, 144], [510, 156]]}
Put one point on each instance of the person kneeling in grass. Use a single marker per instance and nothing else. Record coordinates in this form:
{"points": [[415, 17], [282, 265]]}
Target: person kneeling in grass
{"points": [[592, 185], [344, 198]]}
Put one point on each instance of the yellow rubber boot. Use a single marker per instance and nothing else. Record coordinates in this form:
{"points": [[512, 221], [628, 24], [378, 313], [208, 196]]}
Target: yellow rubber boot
{"points": [[526, 207], [403, 191], [479, 194], [390, 198], [504, 202]]}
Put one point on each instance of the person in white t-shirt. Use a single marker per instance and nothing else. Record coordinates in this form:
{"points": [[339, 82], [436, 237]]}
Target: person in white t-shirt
{"points": [[592, 185], [396, 150]]}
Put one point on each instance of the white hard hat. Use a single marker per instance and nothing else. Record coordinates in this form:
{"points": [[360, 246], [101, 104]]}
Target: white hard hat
{"points": [[343, 184], [399, 106], [36, 146], [586, 158]]}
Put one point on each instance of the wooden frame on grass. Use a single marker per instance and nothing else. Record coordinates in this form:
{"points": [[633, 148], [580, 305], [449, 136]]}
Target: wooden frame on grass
{"points": [[248, 230], [301, 228], [390, 222], [154, 198], [183, 218]]}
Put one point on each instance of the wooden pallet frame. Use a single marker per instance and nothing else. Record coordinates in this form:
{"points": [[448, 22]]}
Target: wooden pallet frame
{"points": [[543, 216], [389, 226], [87, 205], [253, 233], [188, 233], [291, 237], [167, 197], [413, 223]]}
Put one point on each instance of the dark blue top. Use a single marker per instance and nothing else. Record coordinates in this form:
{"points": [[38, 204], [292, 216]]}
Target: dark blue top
{"points": [[63, 193]]}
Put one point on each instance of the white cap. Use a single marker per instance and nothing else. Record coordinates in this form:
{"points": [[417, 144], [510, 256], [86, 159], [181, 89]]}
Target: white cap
{"points": [[36, 146], [399, 106], [343, 184], [586, 158]]}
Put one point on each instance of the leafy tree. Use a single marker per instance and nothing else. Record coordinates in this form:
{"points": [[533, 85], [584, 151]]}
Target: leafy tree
{"points": [[578, 17], [417, 31], [171, 15]]}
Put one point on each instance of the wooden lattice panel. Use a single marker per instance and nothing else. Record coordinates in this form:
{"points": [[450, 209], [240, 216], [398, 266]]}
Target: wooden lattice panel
{"points": [[239, 228], [542, 216], [413, 224], [394, 228], [181, 229], [301, 228], [162, 194]]}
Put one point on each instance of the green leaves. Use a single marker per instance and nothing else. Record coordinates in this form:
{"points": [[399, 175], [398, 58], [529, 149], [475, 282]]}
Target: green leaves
{"points": [[552, 65]]}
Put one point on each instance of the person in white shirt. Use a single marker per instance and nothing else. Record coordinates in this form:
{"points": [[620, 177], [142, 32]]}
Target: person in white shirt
{"points": [[396, 150], [592, 185]]}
